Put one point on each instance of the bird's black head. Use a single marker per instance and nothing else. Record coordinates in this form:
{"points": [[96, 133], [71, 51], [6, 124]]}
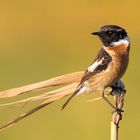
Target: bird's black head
{"points": [[110, 34]]}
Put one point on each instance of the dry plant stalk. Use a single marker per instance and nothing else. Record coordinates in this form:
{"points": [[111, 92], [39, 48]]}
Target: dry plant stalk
{"points": [[117, 115], [69, 82], [57, 81]]}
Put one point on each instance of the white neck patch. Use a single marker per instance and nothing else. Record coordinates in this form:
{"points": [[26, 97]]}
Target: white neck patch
{"points": [[124, 41]]}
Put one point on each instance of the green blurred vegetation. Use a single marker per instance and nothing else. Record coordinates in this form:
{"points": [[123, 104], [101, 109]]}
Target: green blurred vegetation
{"points": [[47, 38]]}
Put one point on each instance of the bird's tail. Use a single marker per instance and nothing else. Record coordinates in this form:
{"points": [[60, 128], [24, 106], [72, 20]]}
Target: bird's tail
{"points": [[69, 99]]}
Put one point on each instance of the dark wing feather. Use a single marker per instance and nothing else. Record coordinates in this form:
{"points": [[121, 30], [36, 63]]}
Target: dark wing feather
{"points": [[107, 59]]}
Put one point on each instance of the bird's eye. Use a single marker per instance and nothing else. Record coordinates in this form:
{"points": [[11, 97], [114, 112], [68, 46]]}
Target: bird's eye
{"points": [[110, 32]]}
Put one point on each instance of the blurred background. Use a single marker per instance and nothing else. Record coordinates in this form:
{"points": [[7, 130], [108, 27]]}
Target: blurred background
{"points": [[40, 39]]}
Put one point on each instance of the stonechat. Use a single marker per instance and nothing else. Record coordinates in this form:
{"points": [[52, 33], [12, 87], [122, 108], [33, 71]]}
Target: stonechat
{"points": [[109, 65]]}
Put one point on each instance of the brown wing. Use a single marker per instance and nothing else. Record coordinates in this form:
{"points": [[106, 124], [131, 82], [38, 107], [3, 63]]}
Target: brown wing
{"points": [[104, 59]]}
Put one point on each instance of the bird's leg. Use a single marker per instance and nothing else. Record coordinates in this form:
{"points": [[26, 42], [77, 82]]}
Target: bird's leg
{"points": [[103, 96], [116, 109]]}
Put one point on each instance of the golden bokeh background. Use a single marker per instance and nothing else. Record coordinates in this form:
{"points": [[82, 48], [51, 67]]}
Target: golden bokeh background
{"points": [[47, 38]]}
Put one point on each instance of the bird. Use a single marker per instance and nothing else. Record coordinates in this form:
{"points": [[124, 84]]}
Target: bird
{"points": [[105, 71], [109, 65]]}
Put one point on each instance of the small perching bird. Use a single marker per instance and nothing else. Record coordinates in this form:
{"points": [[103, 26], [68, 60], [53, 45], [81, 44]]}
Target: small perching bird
{"points": [[105, 71], [109, 65]]}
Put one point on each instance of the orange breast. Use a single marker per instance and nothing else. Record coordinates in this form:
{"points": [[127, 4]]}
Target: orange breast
{"points": [[120, 60]]}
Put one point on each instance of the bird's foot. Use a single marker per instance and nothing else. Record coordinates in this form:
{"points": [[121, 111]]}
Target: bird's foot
{"points": [[116, 90]]}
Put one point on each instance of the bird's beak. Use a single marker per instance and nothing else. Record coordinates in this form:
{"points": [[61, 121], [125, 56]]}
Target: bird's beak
{"points": [[96, 33]]}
